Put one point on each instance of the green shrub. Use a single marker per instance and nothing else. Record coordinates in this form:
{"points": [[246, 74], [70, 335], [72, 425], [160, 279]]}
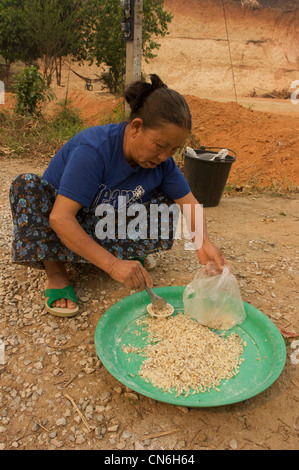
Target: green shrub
{"points": [[66, 123], [31, 91]]}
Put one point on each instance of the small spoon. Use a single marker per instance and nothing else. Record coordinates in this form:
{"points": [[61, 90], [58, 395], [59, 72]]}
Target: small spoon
{"points": [[158, 303]]}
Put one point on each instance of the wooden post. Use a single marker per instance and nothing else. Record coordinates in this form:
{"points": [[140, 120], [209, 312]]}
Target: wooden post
{"points": [[134, 49]]}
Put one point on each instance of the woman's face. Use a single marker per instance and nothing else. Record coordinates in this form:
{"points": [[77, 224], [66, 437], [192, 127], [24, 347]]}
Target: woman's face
{"points": [[150, 147]]}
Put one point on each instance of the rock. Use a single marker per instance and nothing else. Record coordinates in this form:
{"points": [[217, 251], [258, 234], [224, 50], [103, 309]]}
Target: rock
{"points": [[15, 403], [56, 443], [120, 445], [36, 427], [98, 433], [183, 409], [80, 439], [131, 396], [88, 370], [61, 422], [100, 408], [233, 444], [89, 411], [106, 396], [113, 428], [38, 365], [138, 445]]}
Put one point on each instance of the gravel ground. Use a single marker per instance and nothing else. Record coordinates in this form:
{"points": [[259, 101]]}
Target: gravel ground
{"points": [[56, 394]]}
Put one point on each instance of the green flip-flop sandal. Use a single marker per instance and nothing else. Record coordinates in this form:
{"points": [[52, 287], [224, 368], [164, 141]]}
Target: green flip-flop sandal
{"points": [[56, 294]]}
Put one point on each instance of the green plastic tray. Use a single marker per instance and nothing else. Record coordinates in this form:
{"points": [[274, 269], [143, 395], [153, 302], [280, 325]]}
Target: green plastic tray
{"points": [[265, 353]]}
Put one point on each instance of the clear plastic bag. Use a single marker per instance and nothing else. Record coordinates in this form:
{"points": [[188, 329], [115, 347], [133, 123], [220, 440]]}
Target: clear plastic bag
{"points": [[213, 298]]}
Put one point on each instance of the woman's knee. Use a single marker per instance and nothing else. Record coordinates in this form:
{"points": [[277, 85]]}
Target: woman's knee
{"points": [[25, 179], [22, 185]]}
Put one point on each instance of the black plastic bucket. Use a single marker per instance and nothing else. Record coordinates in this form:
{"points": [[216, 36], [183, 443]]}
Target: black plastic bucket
{"points": [[207, 178]]}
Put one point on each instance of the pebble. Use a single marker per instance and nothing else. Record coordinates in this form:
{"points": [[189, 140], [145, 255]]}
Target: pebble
{"points": [[81, 439], [120, 445], [233, 444], [113, 428], [126, 434], [61, 422], [138, 445], [106, 396]]}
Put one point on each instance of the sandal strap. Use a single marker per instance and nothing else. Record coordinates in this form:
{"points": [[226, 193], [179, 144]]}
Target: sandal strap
{"points": [[139, 258], [56, 294]]}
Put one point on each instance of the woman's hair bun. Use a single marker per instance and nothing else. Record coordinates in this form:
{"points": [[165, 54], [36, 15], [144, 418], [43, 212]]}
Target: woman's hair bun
{"points": [[136, 93], [156, 82], [156, 104]]}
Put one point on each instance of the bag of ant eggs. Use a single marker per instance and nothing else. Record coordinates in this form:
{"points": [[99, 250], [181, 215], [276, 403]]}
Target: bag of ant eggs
{"points": [[213, 298]]}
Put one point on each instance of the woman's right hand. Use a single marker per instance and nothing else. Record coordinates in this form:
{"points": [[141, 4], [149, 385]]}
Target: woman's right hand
{"points": [[131, 273]]}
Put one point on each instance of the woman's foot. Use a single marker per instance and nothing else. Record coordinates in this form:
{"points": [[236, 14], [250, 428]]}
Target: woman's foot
{"points": [[58, 279]]}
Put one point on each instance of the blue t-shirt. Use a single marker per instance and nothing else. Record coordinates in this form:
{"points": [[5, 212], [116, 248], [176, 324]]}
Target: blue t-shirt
{"points": [[91, 169]]}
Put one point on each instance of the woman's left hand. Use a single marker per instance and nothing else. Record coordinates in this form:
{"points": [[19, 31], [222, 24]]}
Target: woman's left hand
{"points": [[209, 252]]}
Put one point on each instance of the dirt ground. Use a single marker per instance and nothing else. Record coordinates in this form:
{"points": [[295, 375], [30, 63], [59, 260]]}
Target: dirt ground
{"points": [[48, 358], [55, 393]]}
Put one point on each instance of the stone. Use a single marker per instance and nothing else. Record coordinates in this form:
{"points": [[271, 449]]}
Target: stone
{"points": [[233, 444], [61, 422], [80, 439]]}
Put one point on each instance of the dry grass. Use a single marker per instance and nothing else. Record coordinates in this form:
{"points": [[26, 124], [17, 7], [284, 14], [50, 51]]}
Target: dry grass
{"points": [[32, 137]]}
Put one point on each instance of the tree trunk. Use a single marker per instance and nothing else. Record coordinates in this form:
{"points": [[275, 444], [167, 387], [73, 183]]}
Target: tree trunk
{"points": [[58, 63], [49, 69]]}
